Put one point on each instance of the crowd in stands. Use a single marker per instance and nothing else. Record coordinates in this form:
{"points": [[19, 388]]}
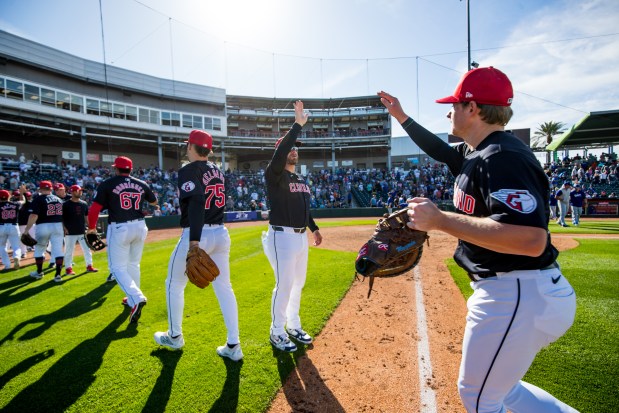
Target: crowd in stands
{"points": [[245, 190], [318, 133], [598, 177]]}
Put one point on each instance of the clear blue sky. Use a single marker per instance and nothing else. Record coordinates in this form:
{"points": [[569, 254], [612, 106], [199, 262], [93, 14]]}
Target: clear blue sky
{"points": [[562, 56]]}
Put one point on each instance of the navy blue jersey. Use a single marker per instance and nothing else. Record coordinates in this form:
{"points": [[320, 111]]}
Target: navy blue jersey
{"points": [[123, 196], [577, 198], [74, 217], [8, 212], [48, 208], [24, 213], [500, 179], [204, 180], [288, 193]]}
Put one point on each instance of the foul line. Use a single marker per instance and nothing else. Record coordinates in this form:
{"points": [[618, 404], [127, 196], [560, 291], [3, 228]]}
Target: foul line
{"points": [[427, 396]]}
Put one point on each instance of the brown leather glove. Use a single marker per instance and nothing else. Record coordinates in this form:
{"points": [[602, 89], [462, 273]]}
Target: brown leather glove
{"points": [[201, 269]]}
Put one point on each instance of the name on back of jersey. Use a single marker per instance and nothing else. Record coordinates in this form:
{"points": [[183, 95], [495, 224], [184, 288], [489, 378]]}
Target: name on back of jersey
{"points": [[128, 185]]}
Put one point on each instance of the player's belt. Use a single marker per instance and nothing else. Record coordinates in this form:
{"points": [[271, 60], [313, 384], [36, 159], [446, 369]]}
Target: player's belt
{"points": [[126, 222], [490, 274], [288, 229]]}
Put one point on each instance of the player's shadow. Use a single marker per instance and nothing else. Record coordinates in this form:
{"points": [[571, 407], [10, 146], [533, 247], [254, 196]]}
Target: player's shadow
{"points": [[71, 376], [24, 366], [75, 308], [228, 400], [15, 283], [304, 388], [160, 395], [7, 297]]}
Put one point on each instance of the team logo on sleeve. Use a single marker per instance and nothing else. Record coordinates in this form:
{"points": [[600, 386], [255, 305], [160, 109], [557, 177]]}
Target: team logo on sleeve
{"points": [[520, 200], [188, 186]]}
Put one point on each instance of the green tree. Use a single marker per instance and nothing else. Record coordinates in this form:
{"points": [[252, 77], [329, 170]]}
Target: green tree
{"points": [[545, 132]]}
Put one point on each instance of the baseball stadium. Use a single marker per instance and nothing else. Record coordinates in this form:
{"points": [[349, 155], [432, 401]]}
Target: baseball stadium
{"points": [[378, 340]]}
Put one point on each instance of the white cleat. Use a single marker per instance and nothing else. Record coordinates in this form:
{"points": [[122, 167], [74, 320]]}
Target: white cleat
{"points": [[235, 353], [163, 339]]}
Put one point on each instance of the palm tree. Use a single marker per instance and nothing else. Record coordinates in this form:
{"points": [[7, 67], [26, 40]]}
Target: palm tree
{"points": [[547, 130]]}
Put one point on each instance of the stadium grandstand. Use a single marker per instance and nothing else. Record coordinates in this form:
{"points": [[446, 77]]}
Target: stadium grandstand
{"points": [[65, 118]]}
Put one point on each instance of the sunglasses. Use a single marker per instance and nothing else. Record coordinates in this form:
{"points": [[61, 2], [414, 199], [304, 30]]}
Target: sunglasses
{"points": [[294, 148]]}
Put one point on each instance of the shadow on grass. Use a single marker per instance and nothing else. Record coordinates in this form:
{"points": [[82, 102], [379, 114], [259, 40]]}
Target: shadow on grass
{"points": [[304, 388], [7, 297], [75, 308], [23, 366], [229, 398], [159, 397], [69, 378]]}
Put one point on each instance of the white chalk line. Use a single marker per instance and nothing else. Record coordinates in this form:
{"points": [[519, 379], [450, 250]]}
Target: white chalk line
{"points": [[427, 396]]}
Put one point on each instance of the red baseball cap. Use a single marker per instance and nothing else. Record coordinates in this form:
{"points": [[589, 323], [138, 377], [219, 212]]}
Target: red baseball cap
{"points": [[297, 143], [122, 162], [45, 185], [16, 193], [484, 85], [28, 194], [58, 186], [4, 194], [75, 188], [201, 138]]}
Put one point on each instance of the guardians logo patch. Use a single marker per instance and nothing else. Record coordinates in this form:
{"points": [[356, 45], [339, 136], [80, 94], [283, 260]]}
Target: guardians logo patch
{"points": [[520, 200]]}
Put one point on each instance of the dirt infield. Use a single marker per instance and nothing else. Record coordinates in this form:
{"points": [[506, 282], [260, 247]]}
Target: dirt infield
{"points": [[366, 357]]}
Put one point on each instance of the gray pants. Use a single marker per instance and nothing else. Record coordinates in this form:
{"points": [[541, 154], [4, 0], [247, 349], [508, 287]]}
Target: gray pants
{"points": [[576, 213], [563, 206]]}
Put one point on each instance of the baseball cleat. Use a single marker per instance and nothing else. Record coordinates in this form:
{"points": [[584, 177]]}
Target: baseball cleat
{"points": [[283, 343], [235, 353], [163, 339], [298, 334], [51, 265], [125, 302], [36, 275], [16, 263], [58, 278], [69, 271], [90, 268], [136, 312], [110, 278]]}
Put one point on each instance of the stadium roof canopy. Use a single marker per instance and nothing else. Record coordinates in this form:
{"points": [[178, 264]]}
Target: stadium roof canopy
{"points": [[252, 102], [597, 129]]}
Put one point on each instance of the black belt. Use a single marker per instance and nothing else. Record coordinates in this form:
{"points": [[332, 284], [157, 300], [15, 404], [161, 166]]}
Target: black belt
{"points": [[490, 274], [297, 230], [125, 222]]}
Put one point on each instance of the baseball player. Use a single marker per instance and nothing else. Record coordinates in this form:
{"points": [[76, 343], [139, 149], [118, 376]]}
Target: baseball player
{"points": [[61, 192], [202, 203], [285, 242], [577, 197], [9, 230], [74, 219], [22, 220], [563, 201], [521, 301], [46, 213], [122, 195]]}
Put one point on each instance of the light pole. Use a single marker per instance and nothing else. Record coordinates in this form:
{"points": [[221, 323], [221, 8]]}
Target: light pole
{"points": [[468, 31]]}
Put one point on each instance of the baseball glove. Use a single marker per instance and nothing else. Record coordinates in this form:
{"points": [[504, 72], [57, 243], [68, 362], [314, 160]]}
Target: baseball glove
{"points": [[201, 269], [94, 241], [393, 249], [27, 240]]}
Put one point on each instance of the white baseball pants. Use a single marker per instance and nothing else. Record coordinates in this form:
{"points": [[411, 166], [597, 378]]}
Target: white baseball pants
{"points": [[9, 232], [70, 241]]}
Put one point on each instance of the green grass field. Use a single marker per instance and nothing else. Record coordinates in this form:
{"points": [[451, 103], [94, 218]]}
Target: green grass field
{"points": [[581, 368], [69, 347]]}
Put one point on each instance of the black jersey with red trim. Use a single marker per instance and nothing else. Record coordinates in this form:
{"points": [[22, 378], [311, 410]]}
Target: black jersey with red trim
{"points": [[288, 193], [24, 212], [500, 179], [122, 196], [8, 212], [203, 181], [74, 217], [48, 208]]}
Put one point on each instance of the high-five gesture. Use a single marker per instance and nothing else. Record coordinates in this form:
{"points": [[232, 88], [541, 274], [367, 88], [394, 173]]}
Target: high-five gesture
{"points": [[300, 116]]}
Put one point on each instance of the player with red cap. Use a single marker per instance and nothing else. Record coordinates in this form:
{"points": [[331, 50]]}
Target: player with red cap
{"points": [[75, 221], [123, 196], [202, 201], [9, 230], [521, 301], [46, 213], [22, 218]]}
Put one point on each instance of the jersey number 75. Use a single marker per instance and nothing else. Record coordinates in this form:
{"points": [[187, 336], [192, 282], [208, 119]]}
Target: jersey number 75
{"points": [[218, 192]]}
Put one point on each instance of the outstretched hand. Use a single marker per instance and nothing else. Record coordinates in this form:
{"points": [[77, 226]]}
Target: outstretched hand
{"points": [[300, 116], [393, 106]]}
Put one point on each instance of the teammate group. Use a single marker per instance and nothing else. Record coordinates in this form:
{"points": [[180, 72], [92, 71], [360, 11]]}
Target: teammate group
{"points": [[521, 301]]}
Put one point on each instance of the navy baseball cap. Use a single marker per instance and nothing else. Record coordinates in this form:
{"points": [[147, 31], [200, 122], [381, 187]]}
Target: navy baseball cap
{"points": [[484, 85]]}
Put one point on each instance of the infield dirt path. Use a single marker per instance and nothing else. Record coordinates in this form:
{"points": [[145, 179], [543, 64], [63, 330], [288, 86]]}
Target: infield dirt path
{"points": [[365, 359]]}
